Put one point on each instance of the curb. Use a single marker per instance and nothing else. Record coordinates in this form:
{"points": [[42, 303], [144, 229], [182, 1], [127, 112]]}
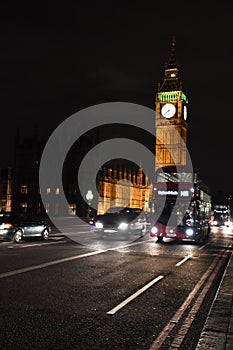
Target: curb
{"points": [[217, 333]]}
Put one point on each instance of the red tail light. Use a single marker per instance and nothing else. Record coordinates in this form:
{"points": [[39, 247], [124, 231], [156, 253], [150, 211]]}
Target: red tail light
{"points": [[8, 225]]}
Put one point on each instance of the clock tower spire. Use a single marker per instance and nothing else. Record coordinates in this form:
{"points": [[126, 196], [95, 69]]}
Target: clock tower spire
{"points": [[171, 105], [172, 60], [172, 81]]}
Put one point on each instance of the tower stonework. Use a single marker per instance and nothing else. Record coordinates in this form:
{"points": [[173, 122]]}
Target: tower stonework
{"points": [[171, 107]]}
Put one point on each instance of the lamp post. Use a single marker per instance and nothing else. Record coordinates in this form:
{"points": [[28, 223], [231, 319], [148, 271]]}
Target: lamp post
{"points": [[89, 197]]}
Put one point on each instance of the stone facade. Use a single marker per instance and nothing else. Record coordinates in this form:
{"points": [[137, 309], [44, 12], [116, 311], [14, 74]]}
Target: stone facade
{"points": [[128, 188]]}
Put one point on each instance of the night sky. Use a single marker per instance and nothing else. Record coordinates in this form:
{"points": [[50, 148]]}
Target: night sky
{"points": [[57, 60]]}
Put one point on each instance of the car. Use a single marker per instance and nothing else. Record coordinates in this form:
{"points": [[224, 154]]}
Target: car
{"points": [[119, 220], [16, 229]]}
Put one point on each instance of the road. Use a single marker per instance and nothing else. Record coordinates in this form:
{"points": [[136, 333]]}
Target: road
{"points": [[60, 294]]}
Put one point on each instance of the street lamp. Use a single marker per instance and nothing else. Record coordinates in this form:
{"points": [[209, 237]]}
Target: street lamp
{"points": [[89, 197]]}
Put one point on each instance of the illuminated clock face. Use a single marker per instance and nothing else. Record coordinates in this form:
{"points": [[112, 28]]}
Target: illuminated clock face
{"points": [[168, 110], [185, 112]]}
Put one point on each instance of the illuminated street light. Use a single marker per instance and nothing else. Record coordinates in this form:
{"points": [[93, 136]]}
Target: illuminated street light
{"points": [[89, 197]]}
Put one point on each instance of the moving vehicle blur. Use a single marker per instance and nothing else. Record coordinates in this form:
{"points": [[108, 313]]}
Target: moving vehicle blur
{"points": [[120, 220], [221, 215]]}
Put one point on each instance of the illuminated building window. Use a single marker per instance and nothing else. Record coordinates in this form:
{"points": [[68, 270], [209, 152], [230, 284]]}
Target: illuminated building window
{"points": [[48, 190], [72, 209], [23, 189], [23, 207], [57, 191]]}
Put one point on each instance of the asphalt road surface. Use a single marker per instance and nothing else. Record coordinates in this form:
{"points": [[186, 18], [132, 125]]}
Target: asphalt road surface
{"points": [[60, 294]]}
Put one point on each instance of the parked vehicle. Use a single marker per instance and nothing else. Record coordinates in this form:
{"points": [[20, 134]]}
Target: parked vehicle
{"points": [[16, 229], [119, 220]]}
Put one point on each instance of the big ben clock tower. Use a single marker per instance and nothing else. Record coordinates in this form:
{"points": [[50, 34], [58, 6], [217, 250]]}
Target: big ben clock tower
{"points": [[171, 108]]}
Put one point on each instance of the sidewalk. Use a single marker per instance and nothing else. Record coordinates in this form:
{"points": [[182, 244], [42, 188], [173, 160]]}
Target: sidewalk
{"points": [[217, 333]]}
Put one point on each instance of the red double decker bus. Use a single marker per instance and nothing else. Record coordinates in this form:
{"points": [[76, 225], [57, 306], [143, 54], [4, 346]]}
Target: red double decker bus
{"points": [[181, 205]]}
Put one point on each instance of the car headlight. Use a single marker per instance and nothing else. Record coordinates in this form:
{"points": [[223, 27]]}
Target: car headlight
{"points": [[154, 229], [189, 232], [123, 226], [99, 224]]}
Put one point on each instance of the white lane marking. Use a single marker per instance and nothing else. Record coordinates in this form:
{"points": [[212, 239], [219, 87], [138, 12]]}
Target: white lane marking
{"points": [[156, 345], [196, 307], [133, 296], [50, 263], [185, 259], [190, 255]]}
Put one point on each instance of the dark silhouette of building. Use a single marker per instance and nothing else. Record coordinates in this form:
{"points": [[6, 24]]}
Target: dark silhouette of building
{"points": [[26, 193]]}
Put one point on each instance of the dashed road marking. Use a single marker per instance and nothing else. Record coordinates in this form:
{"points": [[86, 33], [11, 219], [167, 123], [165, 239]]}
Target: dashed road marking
{"points": [[185, 259], [135, 295]]}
